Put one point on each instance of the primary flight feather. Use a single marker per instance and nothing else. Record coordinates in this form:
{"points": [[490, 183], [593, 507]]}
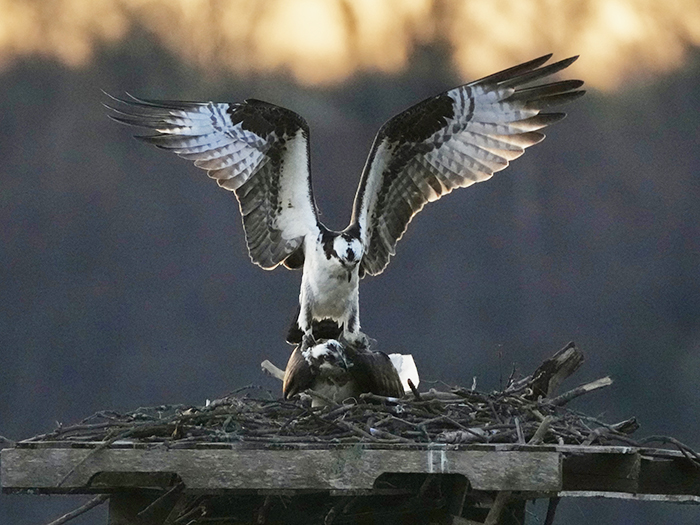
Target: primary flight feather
{"points": [[260, 151]]}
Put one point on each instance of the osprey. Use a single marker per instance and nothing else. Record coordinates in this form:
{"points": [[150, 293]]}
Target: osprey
{"points": [[260, 152], [339, 371]]}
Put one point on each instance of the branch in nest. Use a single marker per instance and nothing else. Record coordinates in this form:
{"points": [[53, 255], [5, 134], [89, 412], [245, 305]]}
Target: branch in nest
{"points": [[579, 391], [541, 431], [271, 369], [413, 388], [550, 374]]}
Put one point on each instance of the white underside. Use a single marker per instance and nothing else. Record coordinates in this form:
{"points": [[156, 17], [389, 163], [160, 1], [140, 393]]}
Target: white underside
{"points": [[328, 290]]}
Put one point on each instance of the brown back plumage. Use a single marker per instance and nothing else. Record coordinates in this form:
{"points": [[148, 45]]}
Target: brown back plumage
{"points": [[351, 371]]}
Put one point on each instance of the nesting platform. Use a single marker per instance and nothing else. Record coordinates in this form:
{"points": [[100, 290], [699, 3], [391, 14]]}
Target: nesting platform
{"points": [[437, 457]]}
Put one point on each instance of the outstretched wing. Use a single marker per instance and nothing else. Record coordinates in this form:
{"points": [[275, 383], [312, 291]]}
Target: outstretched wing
{"points": [[449, 141], [255, 149]]}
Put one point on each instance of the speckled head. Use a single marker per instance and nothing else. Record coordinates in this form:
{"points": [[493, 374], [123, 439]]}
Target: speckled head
{"points": [[329, 355]]}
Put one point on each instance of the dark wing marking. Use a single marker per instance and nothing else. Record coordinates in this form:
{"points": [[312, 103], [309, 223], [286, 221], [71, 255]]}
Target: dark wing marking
{"points": [[374, 372], [448, 141], [255, 149], [298, 376]]}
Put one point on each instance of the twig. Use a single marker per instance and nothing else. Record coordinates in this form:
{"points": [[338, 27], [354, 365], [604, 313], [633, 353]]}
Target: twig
{"points": [[271, 369], [494, 412], [94, 502], [594, 435], [579, 391], [6, 441], [499, 503], [353, 428], [687, 451], [380, 399], [101, 446], [327, 400], [554, 370], [158, 502], [413, 388], [185, 518], [335, 509], [264, 510], [541, 431], [519, 431], [551, 510]]}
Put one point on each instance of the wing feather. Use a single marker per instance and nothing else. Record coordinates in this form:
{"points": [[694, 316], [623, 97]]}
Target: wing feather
{"points": [[455, 139], [298, 375], [255, 149], [374, 372]]}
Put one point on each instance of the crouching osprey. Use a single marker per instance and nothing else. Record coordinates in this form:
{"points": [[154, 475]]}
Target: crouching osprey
{"points": [[339, 371], [261, 152]]}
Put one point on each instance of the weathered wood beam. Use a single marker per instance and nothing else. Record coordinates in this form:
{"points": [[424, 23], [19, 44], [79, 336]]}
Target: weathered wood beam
{"points": [[346, 468]]}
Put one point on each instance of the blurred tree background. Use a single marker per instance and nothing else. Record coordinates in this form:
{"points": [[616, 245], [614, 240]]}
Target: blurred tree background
{"points": [[124, 277]]}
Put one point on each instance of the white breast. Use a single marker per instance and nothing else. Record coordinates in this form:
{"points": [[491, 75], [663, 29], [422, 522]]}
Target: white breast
{"points": [[328, 289]]}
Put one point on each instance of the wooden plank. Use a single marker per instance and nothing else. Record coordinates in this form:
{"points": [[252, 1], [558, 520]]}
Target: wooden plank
{"points": [[349, 468], [668, 498]]}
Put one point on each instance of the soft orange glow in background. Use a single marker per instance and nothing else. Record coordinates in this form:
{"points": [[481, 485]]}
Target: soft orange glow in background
{"points": [[325, 41]]}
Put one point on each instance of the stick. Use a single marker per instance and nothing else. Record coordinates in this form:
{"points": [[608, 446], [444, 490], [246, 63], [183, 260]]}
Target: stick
{"points": [[499, 504], [381, 399], [413, 388], [554, 370], [271, 369], [94, 502], [101, 446], [579, 391], [685, 449], [538, 437], [519, 431], [157, 503], [6, 441], [327, 400], [337, 508], [355, 429], [106, 443], [551, 509], [264, 510]]}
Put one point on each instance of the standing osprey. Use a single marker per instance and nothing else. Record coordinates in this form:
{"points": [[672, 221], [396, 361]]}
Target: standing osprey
{"points": [[340, 371], [261, 152]]}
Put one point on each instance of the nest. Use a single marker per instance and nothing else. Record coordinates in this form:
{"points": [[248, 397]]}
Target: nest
{"points": [[522, 413]]}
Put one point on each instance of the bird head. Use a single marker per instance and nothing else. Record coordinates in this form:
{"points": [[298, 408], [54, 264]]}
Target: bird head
{"points": [[328, 357], [348, 249]]}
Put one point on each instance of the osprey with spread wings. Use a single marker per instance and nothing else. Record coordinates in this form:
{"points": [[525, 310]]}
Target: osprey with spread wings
{"points": [[260, 152]]}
